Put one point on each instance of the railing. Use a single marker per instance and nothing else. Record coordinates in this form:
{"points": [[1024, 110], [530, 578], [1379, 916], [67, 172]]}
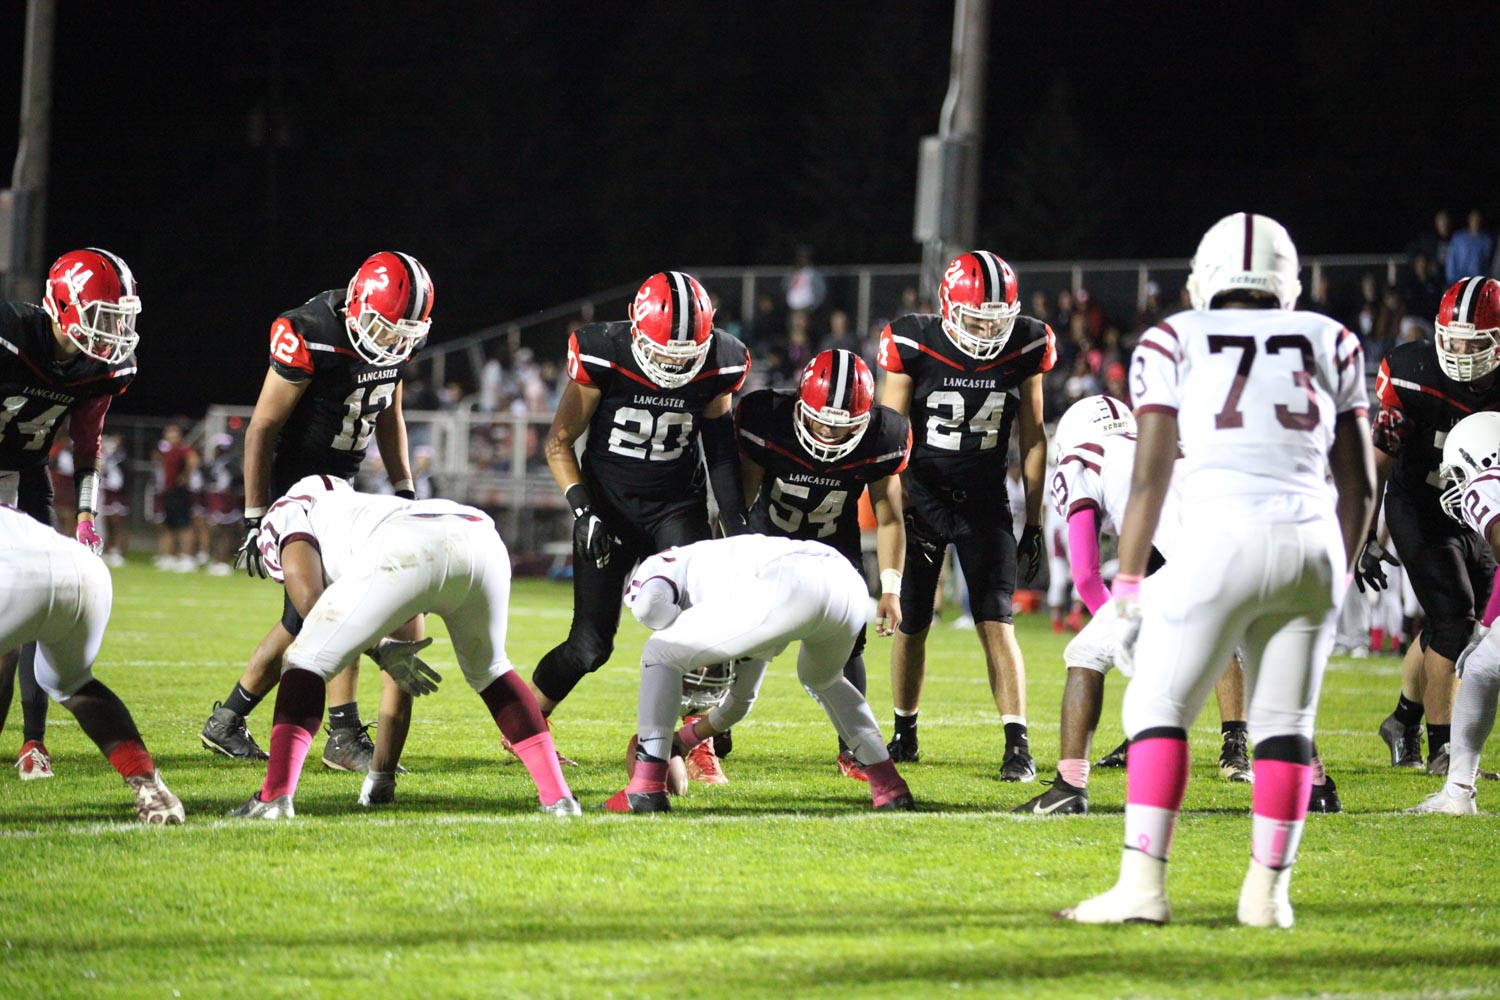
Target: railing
{"points": [[869, 294]]}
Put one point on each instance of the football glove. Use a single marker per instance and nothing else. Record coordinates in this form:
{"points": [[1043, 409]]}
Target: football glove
{"points": [[1029, 552], [1127, 631], [591, 539], [1368, 573], [88, 536], [400, 660], [929, 548], [1480, 631], [407, 494], [248, 558]]}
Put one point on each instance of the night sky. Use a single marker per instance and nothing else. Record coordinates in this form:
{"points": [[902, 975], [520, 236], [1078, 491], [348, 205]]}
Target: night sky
{"points": [[533, 153]]}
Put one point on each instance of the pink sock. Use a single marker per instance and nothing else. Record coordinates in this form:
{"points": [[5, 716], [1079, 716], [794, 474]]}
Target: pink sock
{"points": [[649, 776], [1075, 771], [1156, 777], [885, 783], [289, 743], [1279, 804], [540, 757], [688, 734]]}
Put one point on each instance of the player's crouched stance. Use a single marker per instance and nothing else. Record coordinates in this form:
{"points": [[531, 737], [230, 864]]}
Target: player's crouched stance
{"points": [[57, 593], [386, 560], [746, 598]]}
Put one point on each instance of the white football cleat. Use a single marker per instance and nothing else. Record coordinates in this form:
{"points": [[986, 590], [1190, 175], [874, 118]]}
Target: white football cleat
{"points": [[1120, 905], [278, 808], [1450, 800], [1264, 900], [153, 802], [378, 791], [562, 808]]}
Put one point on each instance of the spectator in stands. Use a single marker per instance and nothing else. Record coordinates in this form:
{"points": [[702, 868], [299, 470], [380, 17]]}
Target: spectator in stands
{"points": [[1115, 384], [424, 483], [1433, 244], [724, 318], [1387, 331], [1367, 310], [798, 350], [805, 288], [497, 384], [766, 325], [417, 392], [1470, 251], [1319, 298], [1040, 307], [175, 462], [116, 507], [1062, 319], [841, 336], [64, 500], [1150, 312], [1422, 287], [1081, 380]]}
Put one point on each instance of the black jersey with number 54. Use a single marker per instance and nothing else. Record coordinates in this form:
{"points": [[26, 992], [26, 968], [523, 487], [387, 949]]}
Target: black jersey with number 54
{"points": [[37, 390], [962, 408], [801, 497], [643, 439], [329, 430]]}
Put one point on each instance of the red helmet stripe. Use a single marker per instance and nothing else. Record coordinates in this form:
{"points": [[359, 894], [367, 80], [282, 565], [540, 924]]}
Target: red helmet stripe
{"points": [[1249, 238]]}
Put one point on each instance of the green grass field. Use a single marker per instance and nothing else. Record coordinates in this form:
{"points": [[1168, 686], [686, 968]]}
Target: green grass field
{"points": [[784, 882]]}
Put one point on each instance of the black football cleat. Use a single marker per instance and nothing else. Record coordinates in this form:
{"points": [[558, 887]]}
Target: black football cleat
{"points": [[225, 732], [1404, 742], [901, 803], [1116, 757], [638, 802], [904, 751], [1062, 799], [1017, 765], [1324, 798]]}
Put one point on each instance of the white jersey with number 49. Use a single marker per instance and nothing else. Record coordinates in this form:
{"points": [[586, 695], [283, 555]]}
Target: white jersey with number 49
{"points": [[1256, 393]]}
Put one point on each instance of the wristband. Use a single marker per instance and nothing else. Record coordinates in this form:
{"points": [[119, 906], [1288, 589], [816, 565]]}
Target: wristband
{"points": [[890, 582], [86, 489], [1126, 585], [404, 484], [578, 498], [251, 513]]}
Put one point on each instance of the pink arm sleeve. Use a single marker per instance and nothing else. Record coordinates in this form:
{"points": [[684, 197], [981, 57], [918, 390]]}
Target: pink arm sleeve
{"points": [[86, 427], [1492, 608], [1083, 557]]}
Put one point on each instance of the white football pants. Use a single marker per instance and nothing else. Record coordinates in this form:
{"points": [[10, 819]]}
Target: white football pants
{"points": [[454, 568], [1272, 589], [60, 598], [820, 600]]}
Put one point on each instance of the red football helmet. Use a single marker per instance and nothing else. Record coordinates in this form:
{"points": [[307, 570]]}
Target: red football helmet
{"points": [[833, 404], [671, 321], [91, 297], [979, 303], [1468, 329], [388, 308]]}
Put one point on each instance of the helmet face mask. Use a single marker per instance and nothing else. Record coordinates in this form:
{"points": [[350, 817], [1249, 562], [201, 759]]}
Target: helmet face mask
{"points": [[834, 402], [1092, 417], [1468, 329], [671, 323], [388, 308], [91, 297], [1245, 252], [705, 688], [980, 303], [1471, 448]]}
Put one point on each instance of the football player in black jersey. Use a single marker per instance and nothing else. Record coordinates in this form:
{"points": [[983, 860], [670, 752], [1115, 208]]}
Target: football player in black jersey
{"points": [[1424, 389], [645, 390], [807, 456], [67, 357], [334, 382], [962, 378]]}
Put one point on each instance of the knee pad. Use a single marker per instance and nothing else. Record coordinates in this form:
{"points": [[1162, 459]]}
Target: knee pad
{"points": [[1448, 638], [290, 620], [561, 669], [1087, 652]]}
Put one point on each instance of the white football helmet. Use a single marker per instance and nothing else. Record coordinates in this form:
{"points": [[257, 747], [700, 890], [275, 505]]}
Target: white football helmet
{"points": [[704, 688], [1245, 252], [1092, 417], [1472, 447]]}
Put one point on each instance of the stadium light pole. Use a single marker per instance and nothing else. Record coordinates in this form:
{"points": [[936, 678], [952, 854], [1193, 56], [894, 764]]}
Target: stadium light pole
{"points": [[947, 203], [23, 214]]}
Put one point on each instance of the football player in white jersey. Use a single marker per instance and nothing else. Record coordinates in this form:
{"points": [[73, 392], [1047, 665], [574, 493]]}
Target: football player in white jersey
{"points": [[1264, 400], [745, 599], [358, 565], [1471, 465], [57, 594], [1090, 489]]}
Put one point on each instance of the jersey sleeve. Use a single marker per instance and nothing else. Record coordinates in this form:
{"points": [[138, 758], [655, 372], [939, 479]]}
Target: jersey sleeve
{"points": [[1391, 426], [576, 371], [1155, 371], [895, 444], [733, 361], [590, 357], [1349, 381], [1078, 483], [290, 357], [752, 418], [86, 428], [289, 520], [900, 349], [1049, 353]]}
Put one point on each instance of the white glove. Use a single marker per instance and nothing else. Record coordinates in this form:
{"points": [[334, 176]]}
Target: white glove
{"points": [[399, 659], [1127, 631], [1480, 631]]}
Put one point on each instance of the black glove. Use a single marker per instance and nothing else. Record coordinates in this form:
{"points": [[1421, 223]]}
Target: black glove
{"points": [[1029, 552], [591, 539], [248, 558], [1368, 573], [407, 494], [917, 538]]}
